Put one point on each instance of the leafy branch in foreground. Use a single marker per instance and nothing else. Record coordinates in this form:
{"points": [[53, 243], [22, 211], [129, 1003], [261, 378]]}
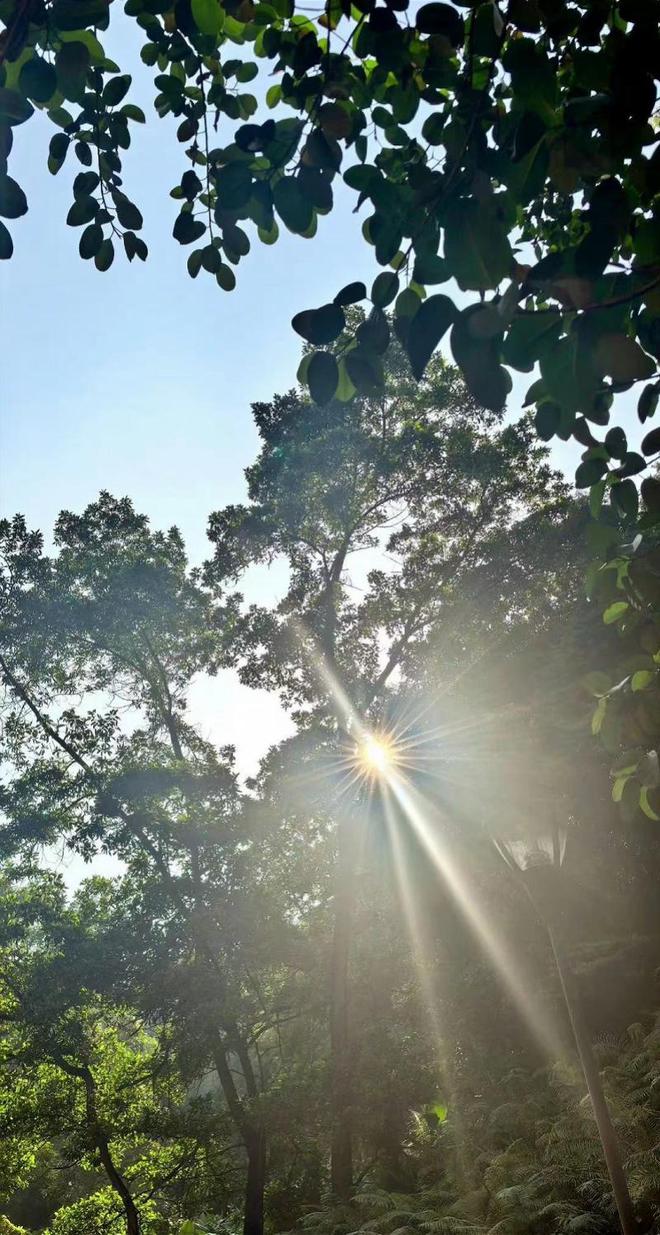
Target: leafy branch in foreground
{"points": [[508, 150]]}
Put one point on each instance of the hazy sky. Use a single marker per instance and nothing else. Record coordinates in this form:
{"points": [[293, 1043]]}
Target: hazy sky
{"points": [[140, 380]]}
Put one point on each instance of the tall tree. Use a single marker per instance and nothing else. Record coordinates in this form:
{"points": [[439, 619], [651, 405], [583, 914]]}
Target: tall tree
{"points": [[100, 645], [426, 484]]}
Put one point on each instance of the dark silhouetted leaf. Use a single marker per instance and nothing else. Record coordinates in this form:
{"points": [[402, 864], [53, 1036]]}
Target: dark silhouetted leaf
{"points": [[320, 326], [351, 294], [322, 376], [13, 202], [432, 320]]}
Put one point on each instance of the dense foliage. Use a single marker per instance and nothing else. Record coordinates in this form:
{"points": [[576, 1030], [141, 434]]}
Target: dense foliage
{"points": [[312, 1002]]}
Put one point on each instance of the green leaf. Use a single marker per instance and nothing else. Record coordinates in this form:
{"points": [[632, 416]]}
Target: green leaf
{"points": [[89, 40], [132, 112], [641, 679], [57, 152], [598, 716], [13, 202], [72, 63], [589, 472], [335, 120], [90, 241], [568, 373], [622, 359], [433, 129], [619, 786], [648, 402], [85, 184], [547, 420], [269, 235], [105, 256], [374, 333], [427, 327], [322, 376], [364, 370], [407, 303], [479, 361], [351, 294], [187, 229], [651, 443], [82, 211], [134, 246], [440, 19], [6, 243], [429, 268], [345, 388], [632, 464], [225, 278], [14, 109], [76, 14], [616, 442], [129, 216], [528, 337], [384, 289], [532, 76], [38, 79], [293, 207], [615, 612], [208, 16], [651, 494], [211, 259], [624, 497], [477, 249], [320, 326], [194, 263], [115, 90], [645, 805]]}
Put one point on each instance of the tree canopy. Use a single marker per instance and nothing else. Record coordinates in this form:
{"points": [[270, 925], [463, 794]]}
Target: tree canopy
{"points": [[241, 1028]]}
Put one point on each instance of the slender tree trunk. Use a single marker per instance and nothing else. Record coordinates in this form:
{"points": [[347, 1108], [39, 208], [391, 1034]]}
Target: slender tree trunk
{"points": [[255, 1183], [606, 1130], [341, 1167], [253, 1136], [101, 1144]]}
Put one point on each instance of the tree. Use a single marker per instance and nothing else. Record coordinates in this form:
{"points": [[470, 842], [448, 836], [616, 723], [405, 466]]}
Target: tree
{"points": [[419, 474], [116, 622], [81, 1070]]}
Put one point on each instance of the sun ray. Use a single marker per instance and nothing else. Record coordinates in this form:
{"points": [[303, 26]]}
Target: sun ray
{"points": [[369, 760], [416, 811], [413, 922]]}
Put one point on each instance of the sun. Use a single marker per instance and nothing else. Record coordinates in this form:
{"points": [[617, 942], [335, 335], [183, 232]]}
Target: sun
{"points": [[377, 755]]}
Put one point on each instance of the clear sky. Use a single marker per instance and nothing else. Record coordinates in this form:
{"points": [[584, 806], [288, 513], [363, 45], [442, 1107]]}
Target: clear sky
{"points": [[139, 380]]}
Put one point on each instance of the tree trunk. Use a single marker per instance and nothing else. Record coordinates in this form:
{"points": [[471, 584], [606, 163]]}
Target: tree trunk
{"points": [[255, 1183], [101, 1142], [254, 1137], [341, 1166], [606, 1130]]}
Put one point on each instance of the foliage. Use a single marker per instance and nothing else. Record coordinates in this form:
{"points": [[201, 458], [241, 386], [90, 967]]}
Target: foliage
{"points": [[168, 1036], [530, 1158], [517, 141], [424, 484]]}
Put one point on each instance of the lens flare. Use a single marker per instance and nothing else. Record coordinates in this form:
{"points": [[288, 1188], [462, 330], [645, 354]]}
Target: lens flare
{"points": [[377, 755]]}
